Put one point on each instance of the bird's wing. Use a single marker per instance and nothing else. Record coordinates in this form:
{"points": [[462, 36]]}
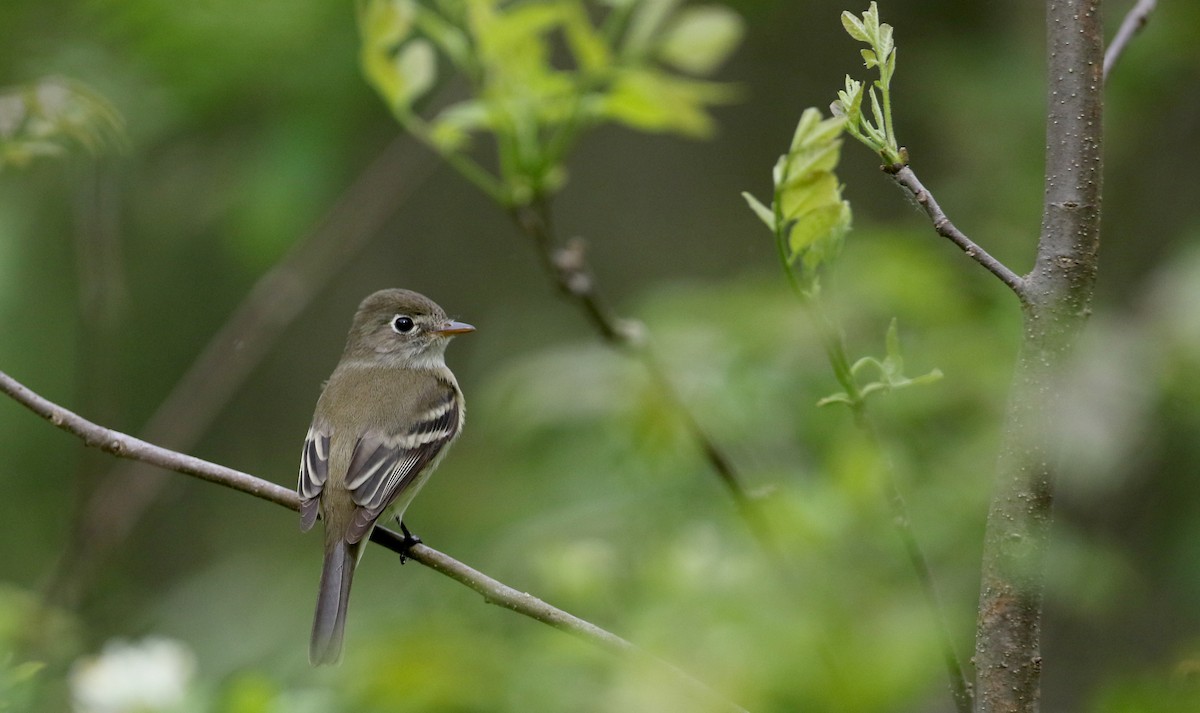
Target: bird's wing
{"points": [[385, 465], [314, 471]]}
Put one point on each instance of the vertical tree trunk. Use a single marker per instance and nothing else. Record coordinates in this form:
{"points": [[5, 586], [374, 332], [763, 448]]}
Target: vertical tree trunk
{"points": [[1059, 292]]}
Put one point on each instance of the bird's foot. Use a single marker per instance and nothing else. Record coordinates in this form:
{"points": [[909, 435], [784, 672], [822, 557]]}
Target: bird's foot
{"points": [[410, 540]]}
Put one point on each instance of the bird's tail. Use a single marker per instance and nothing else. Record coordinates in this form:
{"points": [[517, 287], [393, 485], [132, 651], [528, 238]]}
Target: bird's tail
{"points": [[329, 622]]}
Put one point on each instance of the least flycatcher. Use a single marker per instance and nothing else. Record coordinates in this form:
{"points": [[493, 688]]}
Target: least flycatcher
{"points": [[382, 423]]}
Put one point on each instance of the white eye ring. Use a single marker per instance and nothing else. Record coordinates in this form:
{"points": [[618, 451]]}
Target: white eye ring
{"points": [[403, 324]]}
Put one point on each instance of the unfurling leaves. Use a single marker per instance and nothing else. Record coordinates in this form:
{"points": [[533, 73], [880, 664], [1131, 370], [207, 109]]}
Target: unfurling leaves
{"points": [[808, 215], [879, 134], [890, 372]]}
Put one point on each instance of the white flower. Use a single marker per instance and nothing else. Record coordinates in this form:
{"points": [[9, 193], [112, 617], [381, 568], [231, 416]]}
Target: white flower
{"points": [[143, 677]]}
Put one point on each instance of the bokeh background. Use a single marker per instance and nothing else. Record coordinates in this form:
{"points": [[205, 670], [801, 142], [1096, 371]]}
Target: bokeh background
{"points": [[249, 131]]}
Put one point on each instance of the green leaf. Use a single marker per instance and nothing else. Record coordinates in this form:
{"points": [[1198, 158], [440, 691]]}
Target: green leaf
{"points": [[399, 66], [808, 196], [821, 233], [809, 119], [818, 152], [587, 45], [813, 131], [838, 398], [885, 43], [876, 109], [869, 58], [854, 27], [779, 171], [865, 362], [699, 39], [804, 162], [512, 43], [891, 368], [850, 101], [452, 128], [449, 38], [809, 192], [647, 20], [874, 387], [823, 224], [651, 100], [892, 341], [765, 214], [871, 22], [932, 376], [417, 64], [386, 23]]}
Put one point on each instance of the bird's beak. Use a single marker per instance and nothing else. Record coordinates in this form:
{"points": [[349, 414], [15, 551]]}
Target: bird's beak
{"points": [[451, 328]]}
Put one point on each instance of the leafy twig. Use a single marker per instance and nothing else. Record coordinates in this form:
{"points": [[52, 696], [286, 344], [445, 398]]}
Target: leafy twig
{"points": [[856, 399], [1134, 21], [495, 592], [809, 218], [909, 181], [880, 136]]}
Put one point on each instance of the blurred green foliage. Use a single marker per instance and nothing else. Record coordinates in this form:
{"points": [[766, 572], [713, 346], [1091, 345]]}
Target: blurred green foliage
{"points": [[572, 480], [523, 93], [49, 116]]}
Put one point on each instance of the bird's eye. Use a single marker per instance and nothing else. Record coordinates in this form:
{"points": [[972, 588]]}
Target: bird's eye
{"points": [[402, 324]]}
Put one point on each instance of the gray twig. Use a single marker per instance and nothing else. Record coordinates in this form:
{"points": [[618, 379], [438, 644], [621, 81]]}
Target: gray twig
{"points": [[909, 181], [1134, 21]]}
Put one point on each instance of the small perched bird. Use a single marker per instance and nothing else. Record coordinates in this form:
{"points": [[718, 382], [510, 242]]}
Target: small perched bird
{"points": [[382, 424]]}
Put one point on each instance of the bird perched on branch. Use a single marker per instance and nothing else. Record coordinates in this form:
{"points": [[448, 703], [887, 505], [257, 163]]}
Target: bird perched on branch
{"points": [[383, 422]]}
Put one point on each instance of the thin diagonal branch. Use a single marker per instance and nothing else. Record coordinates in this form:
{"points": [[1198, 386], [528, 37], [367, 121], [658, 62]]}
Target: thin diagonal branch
{"points": [[1134, 21], [493, 590], [960, 690], [909, 181], [568, 267], [123, 445]]}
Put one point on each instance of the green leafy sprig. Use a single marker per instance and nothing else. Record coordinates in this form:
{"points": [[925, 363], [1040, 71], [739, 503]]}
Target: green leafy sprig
{"points": [[807, 215], [876, 131], [890, 370], [809, 219], [639, 66]]}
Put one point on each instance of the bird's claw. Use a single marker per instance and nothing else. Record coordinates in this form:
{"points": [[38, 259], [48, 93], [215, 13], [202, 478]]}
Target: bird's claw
{"points": [[410, 540]]}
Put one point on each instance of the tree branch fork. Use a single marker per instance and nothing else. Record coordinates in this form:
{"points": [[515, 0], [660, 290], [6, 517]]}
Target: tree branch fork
{"points": [[1134, 21], [493, 591]]}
